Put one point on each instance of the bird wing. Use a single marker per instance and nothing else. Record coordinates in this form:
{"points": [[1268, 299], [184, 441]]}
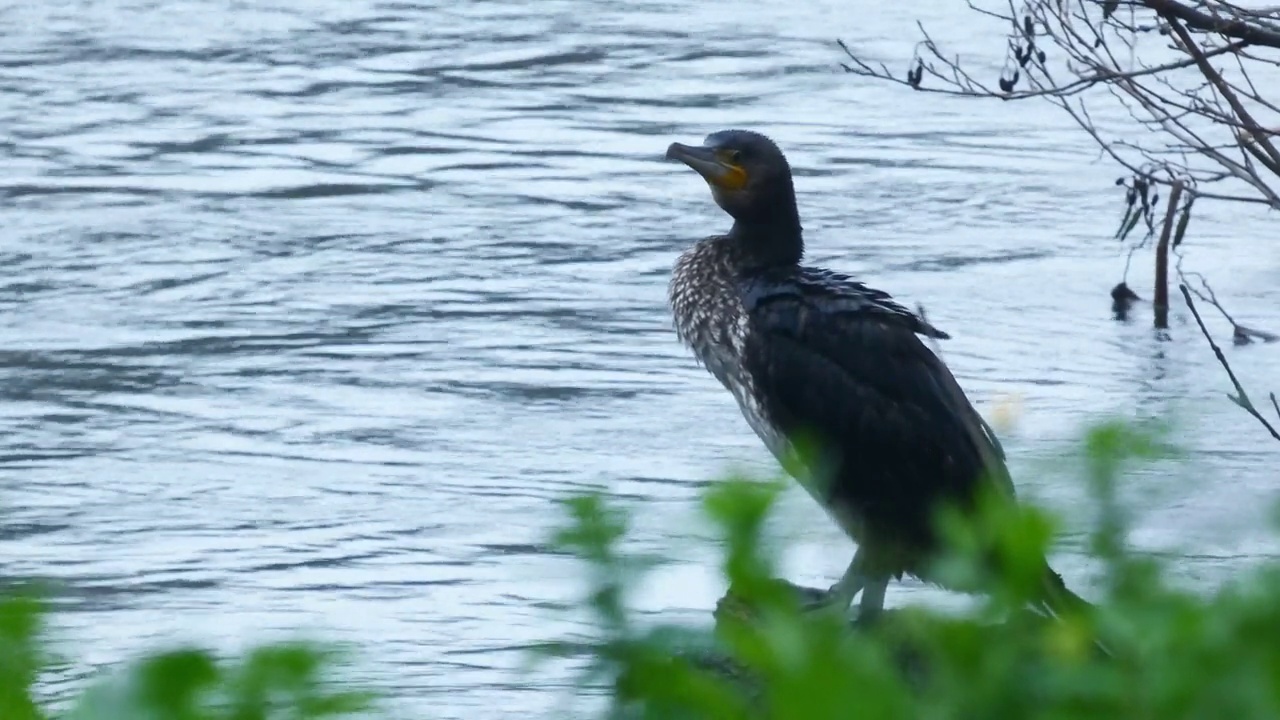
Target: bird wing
{"points": [[843, 365]]}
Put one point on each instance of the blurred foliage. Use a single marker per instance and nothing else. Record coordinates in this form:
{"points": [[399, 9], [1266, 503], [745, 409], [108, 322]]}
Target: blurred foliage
{"points": [[1173, 653], [273, 681], [283, 680]]}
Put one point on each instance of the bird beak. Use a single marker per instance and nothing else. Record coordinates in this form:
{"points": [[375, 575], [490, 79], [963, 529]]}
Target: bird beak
{"points": [[708, 164]]}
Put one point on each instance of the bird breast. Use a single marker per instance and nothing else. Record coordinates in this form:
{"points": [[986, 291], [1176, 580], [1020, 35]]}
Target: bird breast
{"points": [[707, 306], [710, 318]]}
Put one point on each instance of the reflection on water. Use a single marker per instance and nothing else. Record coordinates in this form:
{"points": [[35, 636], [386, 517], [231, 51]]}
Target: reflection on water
{"points": [[311, 314]]}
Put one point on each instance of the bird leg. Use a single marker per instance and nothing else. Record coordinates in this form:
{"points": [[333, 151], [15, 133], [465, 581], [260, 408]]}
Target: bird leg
{"points": [[847, 587], [872, 599], [857, 578], [840, 595]]}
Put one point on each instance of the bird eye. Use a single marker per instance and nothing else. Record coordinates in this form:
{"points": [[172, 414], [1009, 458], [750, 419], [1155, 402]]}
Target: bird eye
{"points": [[735, 156]]}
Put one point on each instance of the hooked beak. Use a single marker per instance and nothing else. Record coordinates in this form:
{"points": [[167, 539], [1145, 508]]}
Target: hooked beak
{"points": [[707, 163]]}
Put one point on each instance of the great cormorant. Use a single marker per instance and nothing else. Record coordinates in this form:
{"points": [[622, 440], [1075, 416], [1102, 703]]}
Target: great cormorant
{"points": [[811, 353]]}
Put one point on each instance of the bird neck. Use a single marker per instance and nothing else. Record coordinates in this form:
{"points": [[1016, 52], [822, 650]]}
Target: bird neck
{"points": [[769, 240]]}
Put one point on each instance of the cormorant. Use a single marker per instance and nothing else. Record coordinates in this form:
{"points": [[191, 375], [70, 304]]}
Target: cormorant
{"points": [[813, 354]]}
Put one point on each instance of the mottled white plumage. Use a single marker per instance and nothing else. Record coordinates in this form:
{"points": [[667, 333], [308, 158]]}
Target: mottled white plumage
{"points": [[711, 319], [711, 299]]}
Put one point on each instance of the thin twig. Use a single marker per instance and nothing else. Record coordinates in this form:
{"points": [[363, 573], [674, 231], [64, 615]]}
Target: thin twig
{"points": [[972, 88], [1241, 398]]}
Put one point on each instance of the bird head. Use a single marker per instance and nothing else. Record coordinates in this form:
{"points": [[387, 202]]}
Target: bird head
{"points": [[749, 176]]}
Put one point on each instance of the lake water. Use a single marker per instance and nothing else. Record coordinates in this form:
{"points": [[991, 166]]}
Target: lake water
{"points": [[311, 312]]}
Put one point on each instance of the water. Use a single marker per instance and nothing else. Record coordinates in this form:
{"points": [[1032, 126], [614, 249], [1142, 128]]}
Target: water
{"points": [[311, 311]]}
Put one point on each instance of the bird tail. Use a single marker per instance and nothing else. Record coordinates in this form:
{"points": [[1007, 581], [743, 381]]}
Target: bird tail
{"points": [[1058, 601]]}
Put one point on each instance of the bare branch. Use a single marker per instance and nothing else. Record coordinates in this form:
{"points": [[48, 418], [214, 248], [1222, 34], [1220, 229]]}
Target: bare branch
{"points": [[1237, 28], [970, 87], [1210, 134], [1246, 119]]}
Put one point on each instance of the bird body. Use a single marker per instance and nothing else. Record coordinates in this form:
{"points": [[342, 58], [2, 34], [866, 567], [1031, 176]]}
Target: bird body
{"points": [[817, 359], [800, 349]]}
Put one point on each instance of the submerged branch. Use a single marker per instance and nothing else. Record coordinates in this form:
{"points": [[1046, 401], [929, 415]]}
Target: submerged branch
{"points": [[1241, 397]]}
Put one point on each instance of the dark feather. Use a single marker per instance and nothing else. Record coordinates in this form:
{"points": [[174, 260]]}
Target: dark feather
{"points": [[843, 366]]}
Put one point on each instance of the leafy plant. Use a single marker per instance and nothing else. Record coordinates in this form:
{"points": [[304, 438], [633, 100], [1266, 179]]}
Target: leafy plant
{"points": [[1172, 654], [283, 680]]}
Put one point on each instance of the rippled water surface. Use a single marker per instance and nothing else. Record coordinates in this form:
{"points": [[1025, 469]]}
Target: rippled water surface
{"points": [[311, 310]]}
